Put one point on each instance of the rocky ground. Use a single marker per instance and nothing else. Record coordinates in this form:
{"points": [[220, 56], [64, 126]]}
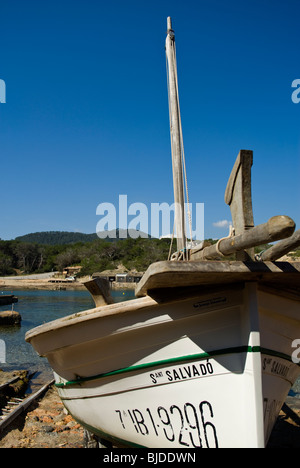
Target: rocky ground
{"points": [[46, 425]]}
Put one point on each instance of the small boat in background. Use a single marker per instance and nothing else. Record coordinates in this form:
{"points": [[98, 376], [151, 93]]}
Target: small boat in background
{"points": [[203, 357], [7, 299]]}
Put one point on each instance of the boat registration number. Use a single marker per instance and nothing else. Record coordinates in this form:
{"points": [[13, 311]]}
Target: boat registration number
{"points": [[186, 426]]}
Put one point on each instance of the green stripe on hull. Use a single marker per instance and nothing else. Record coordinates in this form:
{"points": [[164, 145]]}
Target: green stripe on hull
{"points": [[190, 357], [219, 352]]}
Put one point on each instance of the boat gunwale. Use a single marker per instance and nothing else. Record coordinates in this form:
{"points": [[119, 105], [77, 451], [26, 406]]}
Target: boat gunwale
{"points": [[132, 305], [91, 314]]}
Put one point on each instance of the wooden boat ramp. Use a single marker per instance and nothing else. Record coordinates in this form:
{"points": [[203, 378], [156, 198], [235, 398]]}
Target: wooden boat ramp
{"points": [[12, 406]]}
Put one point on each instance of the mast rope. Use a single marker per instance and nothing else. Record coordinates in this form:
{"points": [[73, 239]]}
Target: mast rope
{"points": [[230, 234], [171, 134], [182, 150], [185, 183], [171, 243]]}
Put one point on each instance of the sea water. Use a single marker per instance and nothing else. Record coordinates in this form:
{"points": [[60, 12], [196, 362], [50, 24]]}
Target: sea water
{"points": [[36, 308]]}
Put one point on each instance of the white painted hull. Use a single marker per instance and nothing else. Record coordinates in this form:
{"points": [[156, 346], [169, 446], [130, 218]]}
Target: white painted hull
{"points": [[211, 370]]}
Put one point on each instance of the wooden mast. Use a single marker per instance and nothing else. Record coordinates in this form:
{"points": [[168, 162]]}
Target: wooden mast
{"points": [[176, 143]]}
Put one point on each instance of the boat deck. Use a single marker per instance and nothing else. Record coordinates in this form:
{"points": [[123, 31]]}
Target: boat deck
{"points": [[162, 275]]}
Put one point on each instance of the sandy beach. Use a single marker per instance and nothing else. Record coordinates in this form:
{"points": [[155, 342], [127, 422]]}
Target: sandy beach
{"points": [[39, 283]]}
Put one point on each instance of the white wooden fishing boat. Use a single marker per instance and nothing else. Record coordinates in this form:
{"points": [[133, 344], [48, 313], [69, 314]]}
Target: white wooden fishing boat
{"points": [[203, 356]]}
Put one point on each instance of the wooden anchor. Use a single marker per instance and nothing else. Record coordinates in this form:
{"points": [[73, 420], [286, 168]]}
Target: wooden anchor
{"points": [[239, 198], [246, 235]]}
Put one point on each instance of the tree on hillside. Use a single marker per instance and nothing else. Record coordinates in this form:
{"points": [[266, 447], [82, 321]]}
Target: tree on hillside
{"points": [[29, 256], [5, 264], [67, 258]]}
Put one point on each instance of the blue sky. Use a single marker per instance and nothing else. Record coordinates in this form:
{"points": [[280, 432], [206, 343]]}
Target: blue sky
{"points": [[86, 112]]}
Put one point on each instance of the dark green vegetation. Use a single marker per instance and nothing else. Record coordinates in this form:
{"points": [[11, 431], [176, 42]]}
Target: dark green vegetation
{"points": [[50, 251], [56, 237]]}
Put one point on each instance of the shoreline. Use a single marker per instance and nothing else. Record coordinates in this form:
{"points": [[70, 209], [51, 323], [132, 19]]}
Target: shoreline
{"points": [[44, 284]]}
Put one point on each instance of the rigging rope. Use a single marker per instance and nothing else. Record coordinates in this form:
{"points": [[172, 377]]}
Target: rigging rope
{"points": [[184, 175]]}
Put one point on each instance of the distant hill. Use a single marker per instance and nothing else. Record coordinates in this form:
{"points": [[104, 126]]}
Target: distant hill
{"points": [[56, 237], [65, 237]]}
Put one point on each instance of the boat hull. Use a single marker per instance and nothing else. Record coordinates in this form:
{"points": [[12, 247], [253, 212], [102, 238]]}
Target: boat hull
{"points": [[212, 370]]}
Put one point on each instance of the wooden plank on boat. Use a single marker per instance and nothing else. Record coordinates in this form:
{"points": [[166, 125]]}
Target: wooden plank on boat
{"points": [[92, 314], [186, 274], [23, 406], [100, 291]]}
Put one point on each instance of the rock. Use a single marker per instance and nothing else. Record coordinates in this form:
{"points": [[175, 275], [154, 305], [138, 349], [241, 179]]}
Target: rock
{"points": [[48, 429], [34, 432], [10, 317]]}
